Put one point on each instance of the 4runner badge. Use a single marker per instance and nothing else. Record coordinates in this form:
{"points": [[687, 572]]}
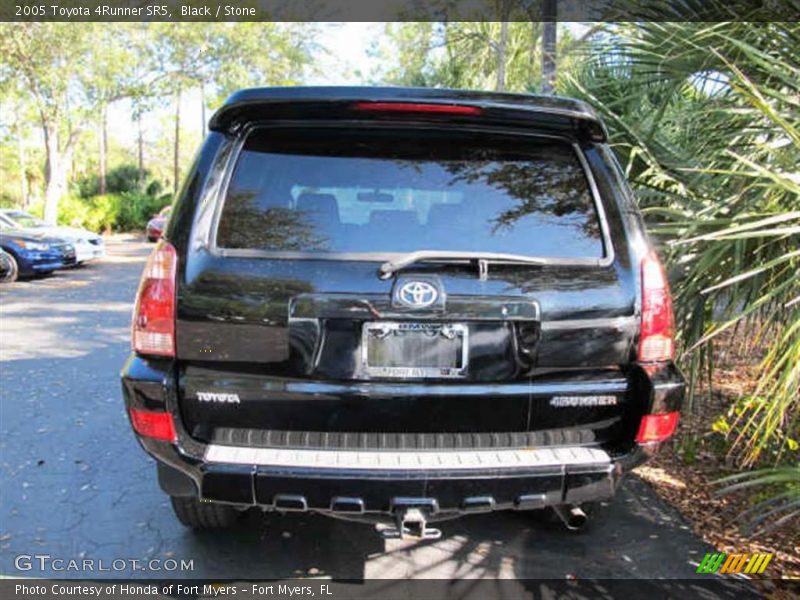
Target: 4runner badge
{"points": [[572, 401], [220, 398]]}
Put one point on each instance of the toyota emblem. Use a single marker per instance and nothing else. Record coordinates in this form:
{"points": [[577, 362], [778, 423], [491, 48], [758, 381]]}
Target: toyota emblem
{"points": [[418, 294]]}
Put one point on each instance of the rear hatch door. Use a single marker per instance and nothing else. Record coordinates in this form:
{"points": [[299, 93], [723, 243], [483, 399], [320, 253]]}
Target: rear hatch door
{"points": [[286, 322]]}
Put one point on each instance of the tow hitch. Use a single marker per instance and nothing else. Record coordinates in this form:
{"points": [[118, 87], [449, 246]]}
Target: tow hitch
{"points": [[410, 523]]}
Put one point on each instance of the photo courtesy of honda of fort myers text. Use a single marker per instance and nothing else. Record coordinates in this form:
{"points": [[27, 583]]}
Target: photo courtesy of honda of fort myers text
{"points": [[471, 299]]}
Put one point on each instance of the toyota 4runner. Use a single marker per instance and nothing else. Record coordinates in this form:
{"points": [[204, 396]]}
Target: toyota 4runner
{"points": [[398, 306]]}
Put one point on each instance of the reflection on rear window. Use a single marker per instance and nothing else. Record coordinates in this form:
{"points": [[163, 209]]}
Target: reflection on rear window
{"points": [[367, 192]]}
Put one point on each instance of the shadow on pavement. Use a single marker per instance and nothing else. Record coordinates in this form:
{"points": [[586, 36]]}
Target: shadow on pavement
{"points": [[636, 537]]}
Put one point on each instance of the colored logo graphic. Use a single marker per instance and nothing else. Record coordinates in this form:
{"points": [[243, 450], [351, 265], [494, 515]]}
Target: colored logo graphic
{"points": [[752, 564]]}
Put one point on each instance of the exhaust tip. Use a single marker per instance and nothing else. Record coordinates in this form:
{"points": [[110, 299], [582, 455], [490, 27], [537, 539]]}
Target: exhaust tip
{"points": [[573, 517], [577, 519]]}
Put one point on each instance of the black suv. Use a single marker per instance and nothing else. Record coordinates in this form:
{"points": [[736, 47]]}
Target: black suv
{"points": [[401, 305]]}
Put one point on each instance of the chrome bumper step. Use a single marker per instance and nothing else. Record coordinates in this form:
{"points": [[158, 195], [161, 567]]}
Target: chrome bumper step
{"points": [[407, 460]]}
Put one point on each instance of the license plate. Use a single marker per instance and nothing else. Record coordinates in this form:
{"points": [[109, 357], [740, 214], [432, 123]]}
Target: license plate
{"points": [[414, 350]]}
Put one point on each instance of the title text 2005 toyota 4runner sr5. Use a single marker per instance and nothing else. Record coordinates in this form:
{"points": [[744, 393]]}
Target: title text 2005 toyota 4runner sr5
{"points": [[398, 306]]}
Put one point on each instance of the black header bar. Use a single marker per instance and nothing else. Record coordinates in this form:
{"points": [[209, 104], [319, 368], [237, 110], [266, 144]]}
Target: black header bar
{"points": [[396, 10]]}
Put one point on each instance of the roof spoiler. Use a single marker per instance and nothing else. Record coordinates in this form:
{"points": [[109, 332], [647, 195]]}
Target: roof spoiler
{"points": [[562, 116]]}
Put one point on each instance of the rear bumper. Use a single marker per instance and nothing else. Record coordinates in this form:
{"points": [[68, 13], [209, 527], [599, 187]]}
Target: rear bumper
{"points": [[303, 483], [344, 481]]}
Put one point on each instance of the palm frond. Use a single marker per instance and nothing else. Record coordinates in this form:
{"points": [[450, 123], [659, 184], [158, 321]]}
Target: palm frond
{"points": [[705, 118], [782, 506]]}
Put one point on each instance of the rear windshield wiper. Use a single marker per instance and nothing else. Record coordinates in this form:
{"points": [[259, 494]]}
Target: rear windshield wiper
{"points": [[482, 259]]}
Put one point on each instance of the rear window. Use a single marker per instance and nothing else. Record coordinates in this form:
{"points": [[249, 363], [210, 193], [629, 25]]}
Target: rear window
{"points": [[388, 192]]}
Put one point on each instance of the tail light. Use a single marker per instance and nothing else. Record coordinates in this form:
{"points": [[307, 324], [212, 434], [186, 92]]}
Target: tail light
{"points": [[657, 428], [657, 337], [153, 330], [417, 107], [151, 424]]}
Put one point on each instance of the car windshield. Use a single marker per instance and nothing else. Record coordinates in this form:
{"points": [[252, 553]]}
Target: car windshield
{"points": [[23, 219], [375, 192]]}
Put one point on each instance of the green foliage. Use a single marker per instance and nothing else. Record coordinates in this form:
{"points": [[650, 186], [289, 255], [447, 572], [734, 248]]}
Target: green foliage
{"points": [[61, 78], [706, 121], [121, 179], [136, 209], [128, 211], [688, 447], [45, 65], [154, 188], [777, 494], [466, 55], [97, 213], [226, 57], [408, 57]]}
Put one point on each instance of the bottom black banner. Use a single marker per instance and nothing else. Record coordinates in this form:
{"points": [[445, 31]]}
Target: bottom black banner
{"points": [[394, 589]]}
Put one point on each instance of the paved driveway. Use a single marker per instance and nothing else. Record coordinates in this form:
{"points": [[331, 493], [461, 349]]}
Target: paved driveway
{"points": [[76, 485]]}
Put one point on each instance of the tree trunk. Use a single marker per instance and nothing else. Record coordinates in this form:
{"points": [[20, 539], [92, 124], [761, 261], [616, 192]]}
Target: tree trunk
{"points": [[57, 158], [140, 144], [550, 16], [103, 149], [23, 160], [203, 109], [501, 57], [177, 149], [55, 172]]}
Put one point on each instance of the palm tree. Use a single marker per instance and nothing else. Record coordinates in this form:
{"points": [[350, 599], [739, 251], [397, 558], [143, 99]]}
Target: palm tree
{"points": [[706, 119], [550, 14]]}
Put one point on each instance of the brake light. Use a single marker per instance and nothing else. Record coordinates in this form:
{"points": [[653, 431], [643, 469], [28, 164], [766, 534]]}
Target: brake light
{"points": [[657, 337], [657, 428], [156, 425], [416, 107], [153, 330]]}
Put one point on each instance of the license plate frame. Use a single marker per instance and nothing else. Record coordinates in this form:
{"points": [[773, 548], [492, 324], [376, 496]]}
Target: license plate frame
{"points": [[379, 329]]}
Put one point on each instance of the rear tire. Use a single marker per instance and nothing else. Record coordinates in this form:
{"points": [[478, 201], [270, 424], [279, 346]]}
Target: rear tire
{"points": [[203, 515]]}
